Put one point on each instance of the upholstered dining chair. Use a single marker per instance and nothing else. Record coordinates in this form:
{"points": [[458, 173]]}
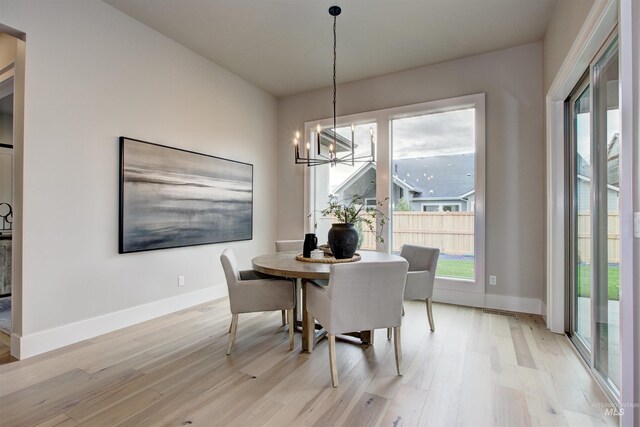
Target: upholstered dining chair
{"points": [[422, 273], [289, 245], [286, 246], [359, 297], [249, 294]]}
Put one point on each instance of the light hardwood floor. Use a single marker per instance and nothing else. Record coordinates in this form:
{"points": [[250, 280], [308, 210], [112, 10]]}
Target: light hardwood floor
{"points": [[475, 370]]}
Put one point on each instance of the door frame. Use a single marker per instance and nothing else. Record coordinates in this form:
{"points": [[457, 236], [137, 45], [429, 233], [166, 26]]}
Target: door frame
{"points": [[18, 75]]}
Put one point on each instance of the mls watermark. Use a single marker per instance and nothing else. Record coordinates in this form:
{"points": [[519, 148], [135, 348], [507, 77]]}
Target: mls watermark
{"points": [[614, 410]]}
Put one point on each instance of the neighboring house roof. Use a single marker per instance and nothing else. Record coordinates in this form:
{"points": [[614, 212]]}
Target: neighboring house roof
{"points": [[342, 143], [439, 176], [436, 177], [361, 171], [354, 177]]}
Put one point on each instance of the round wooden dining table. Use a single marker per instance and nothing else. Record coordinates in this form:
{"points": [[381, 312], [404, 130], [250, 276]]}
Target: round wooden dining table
{"points": [[285, 264]]}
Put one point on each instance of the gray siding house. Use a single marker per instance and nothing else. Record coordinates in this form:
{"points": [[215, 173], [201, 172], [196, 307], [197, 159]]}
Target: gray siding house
{"points": [[428, 184]]}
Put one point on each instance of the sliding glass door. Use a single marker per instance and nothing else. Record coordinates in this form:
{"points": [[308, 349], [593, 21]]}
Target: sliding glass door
{"points": [[580, 107], [594, 224]]}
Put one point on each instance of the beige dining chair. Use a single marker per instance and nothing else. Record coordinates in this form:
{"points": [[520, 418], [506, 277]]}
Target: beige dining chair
{"points": [[287, 246], [250, 294], [360, 296], [421, 276]]}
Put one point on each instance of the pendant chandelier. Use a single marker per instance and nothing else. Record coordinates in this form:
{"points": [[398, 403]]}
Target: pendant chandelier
{"points": [[329, 136]]}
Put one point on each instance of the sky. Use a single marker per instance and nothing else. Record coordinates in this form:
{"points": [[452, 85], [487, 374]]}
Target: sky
{"points": [[435, 134], [426, 135], [583, 122]]}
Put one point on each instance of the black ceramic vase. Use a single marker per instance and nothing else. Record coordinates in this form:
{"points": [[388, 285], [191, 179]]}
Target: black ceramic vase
{"points": [[343, 240]]}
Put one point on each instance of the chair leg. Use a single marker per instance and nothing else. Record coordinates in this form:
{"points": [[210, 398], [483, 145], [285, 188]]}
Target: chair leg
{"points": [[292, 326], [389, 334], [232, 333], [430, 315], [284, 317], [231, 324], [398, 348], [332, 360]]}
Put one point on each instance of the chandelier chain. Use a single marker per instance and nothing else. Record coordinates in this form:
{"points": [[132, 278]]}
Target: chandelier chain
{"points": [[347, 155], [335, 144]]}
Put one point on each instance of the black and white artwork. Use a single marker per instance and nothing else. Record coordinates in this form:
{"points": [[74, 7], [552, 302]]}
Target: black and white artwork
{"points": [[171, 197]]}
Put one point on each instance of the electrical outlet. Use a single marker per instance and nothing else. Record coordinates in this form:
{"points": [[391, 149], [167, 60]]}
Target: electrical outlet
{"points": [[180, 280], [492, 280], [636, 225]]}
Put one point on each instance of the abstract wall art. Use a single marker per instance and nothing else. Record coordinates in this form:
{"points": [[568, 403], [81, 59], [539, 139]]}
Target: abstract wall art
{"points": [[171, 197]]}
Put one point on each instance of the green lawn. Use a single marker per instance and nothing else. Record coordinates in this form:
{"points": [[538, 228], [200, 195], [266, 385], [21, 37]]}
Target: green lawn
{"points": [[463, 269], [613, 278], [458, 268]]}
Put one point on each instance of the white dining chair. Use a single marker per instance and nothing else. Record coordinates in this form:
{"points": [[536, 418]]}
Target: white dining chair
{"points": [[423, 262], [359, 297], [287, 246], [250, 294]]}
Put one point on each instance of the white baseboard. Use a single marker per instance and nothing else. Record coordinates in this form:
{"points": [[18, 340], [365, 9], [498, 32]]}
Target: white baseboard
{"points": [[519, 304], [476, 299], [449, 296], [543, 312], [30, 345]]}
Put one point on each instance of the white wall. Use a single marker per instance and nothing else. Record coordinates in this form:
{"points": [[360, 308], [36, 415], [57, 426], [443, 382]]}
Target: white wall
{"points": [[93, 74], [512, 80]]}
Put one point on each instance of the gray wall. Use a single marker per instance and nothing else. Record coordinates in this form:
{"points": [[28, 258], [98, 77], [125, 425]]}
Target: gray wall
{"points": [[114, 76], [512, 80], [566, 21]]}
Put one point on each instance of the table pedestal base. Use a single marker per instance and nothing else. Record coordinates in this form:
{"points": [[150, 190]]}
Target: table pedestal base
{"points": [[313, 332]]}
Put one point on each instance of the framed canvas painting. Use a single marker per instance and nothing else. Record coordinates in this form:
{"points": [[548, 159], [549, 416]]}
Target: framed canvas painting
{"points": [[171, 197]]}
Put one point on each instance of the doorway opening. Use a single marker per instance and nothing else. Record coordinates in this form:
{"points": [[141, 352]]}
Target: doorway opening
{"points": [[11, 125]]}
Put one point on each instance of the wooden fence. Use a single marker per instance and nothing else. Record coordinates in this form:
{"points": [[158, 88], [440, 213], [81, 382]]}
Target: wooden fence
{"points": [[584, 237], [452, 232]]}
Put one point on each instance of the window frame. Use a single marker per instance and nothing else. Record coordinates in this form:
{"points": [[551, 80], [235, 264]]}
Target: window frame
{"points": [[463, 291]]}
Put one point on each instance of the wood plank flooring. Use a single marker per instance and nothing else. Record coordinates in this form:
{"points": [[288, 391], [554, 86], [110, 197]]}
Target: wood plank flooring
{"points": [[475, 370]]}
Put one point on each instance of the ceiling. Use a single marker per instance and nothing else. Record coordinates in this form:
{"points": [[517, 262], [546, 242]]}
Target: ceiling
{"points": [[285, 46]]}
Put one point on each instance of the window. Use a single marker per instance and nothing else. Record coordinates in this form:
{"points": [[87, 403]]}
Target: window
{"points": [[429, 162], [435, 153], [342, 182], [443, 207]]}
